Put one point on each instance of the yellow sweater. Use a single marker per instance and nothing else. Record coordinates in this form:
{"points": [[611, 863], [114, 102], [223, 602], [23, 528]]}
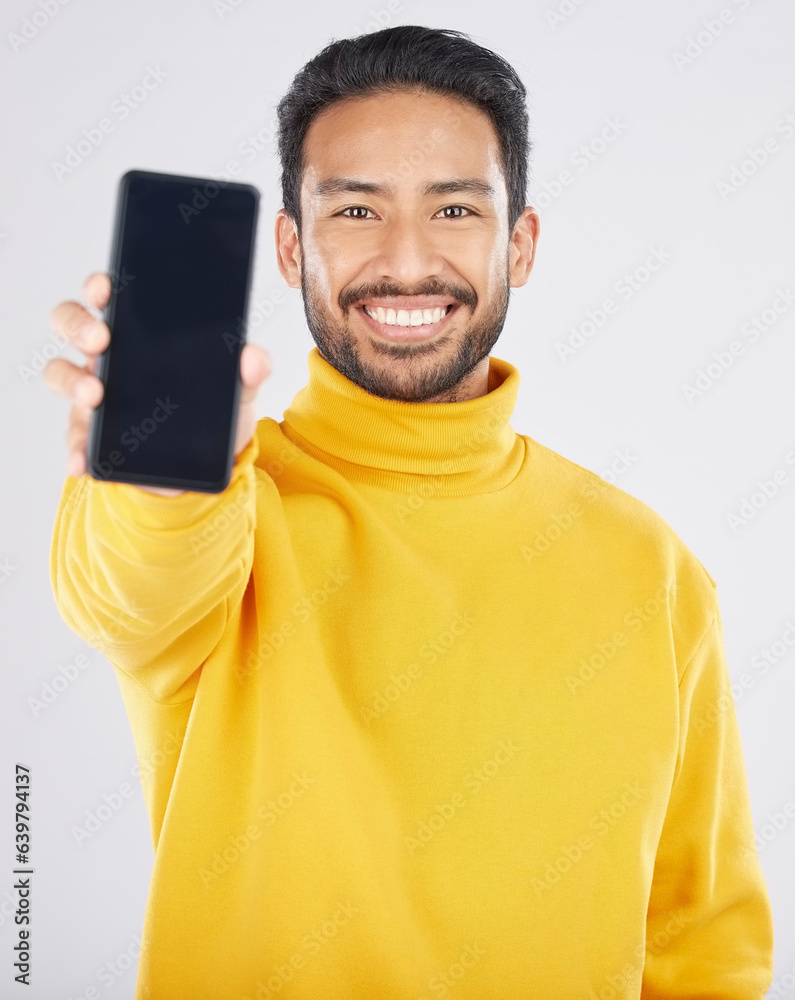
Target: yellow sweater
{"points": [[421, 708]]}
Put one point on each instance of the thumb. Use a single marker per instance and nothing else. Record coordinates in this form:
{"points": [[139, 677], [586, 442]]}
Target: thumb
{"points": [[255, 367]]}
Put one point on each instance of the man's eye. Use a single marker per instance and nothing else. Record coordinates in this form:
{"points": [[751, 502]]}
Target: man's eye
{"points": [[457, 208], [360, 212], [355, 208]]}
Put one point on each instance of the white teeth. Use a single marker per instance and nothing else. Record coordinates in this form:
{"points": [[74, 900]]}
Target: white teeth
{"points": [[405, 317]]}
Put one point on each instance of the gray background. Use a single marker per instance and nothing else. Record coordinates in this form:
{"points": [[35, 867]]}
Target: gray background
{"points": [[683, 130]]}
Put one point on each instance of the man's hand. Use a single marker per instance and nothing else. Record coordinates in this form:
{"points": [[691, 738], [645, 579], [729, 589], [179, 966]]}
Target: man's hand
{"points": [[79, 384]]}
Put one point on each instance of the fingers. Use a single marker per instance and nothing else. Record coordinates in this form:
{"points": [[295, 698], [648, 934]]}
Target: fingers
{"points": [[96, 289], [80, 328], [161, 491], [76, 442], [76, 464], [75, 382], [79, 384], [90, 335], [255, 367], [76, 439]]}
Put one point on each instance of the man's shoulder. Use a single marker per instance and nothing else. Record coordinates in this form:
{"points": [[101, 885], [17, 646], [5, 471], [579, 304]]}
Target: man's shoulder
{"points": [[613, 517]]}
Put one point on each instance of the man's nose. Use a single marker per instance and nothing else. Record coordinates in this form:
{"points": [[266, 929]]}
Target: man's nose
{"points": [[408, 252]]}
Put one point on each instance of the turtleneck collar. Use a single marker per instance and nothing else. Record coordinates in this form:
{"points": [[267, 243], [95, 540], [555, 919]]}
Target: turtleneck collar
{"points": [[466, 447]]}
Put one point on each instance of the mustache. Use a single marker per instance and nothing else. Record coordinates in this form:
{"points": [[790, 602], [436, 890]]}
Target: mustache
{"points": [[378, 289]]}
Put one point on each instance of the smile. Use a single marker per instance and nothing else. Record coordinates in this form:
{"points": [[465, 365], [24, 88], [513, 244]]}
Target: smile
{"points": [[407, 324], [407, 317]]}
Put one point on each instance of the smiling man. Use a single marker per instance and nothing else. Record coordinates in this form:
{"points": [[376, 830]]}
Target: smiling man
{"points": [[421, 706]]}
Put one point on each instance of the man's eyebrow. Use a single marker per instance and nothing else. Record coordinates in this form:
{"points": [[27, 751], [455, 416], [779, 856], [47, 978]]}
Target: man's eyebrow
{"points": [[355, 185], [467, 185]]}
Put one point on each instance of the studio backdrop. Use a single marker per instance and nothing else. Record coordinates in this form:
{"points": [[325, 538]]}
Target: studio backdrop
{"points": [[655, 341]]}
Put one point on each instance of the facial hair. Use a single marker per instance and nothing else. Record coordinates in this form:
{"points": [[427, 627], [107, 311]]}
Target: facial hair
{"points": [[411, 377]]}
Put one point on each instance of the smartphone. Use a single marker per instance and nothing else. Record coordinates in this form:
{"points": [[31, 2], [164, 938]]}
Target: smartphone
{"points": [[181, 266]]}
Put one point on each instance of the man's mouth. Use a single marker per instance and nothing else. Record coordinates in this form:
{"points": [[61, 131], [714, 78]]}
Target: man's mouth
{"points": [[407, 317]]}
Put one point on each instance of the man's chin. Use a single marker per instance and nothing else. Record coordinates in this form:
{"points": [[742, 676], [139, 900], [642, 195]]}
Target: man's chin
{"points": [[381, 347], [407, 371]]}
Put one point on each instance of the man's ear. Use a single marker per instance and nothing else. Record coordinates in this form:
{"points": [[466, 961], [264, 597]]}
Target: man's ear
{"points": [[524, 240], [288, 249]]}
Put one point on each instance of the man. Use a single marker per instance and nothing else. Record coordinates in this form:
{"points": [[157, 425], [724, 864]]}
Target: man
{"points": [[421, 706]]}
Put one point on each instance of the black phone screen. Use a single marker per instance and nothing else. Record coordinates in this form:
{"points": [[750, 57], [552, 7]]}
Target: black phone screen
{"points": [[181, 270]]}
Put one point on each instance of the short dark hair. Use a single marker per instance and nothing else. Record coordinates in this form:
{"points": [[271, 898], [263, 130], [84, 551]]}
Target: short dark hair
{"points": [[407, 57]]}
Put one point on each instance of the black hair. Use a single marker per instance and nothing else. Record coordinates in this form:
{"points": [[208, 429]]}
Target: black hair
{"points": [[407, 57]]}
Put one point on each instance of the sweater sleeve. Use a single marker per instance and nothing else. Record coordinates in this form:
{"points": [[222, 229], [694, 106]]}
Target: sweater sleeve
{"points": [[709, 928], [150, 581]]}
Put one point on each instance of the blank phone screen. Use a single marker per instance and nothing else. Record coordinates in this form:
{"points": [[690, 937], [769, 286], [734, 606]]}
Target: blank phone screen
{"points": [[181, 275]]}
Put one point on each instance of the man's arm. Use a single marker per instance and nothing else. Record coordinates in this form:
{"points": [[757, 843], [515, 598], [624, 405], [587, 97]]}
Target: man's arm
{"points": [[150, 580], [146, 574], [709, 927]]}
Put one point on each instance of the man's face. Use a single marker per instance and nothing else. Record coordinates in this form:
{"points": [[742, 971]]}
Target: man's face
{"points": [[404, 256]]}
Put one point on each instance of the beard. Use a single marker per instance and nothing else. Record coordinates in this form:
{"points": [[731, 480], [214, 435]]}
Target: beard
{"points": [[414, 372]]}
